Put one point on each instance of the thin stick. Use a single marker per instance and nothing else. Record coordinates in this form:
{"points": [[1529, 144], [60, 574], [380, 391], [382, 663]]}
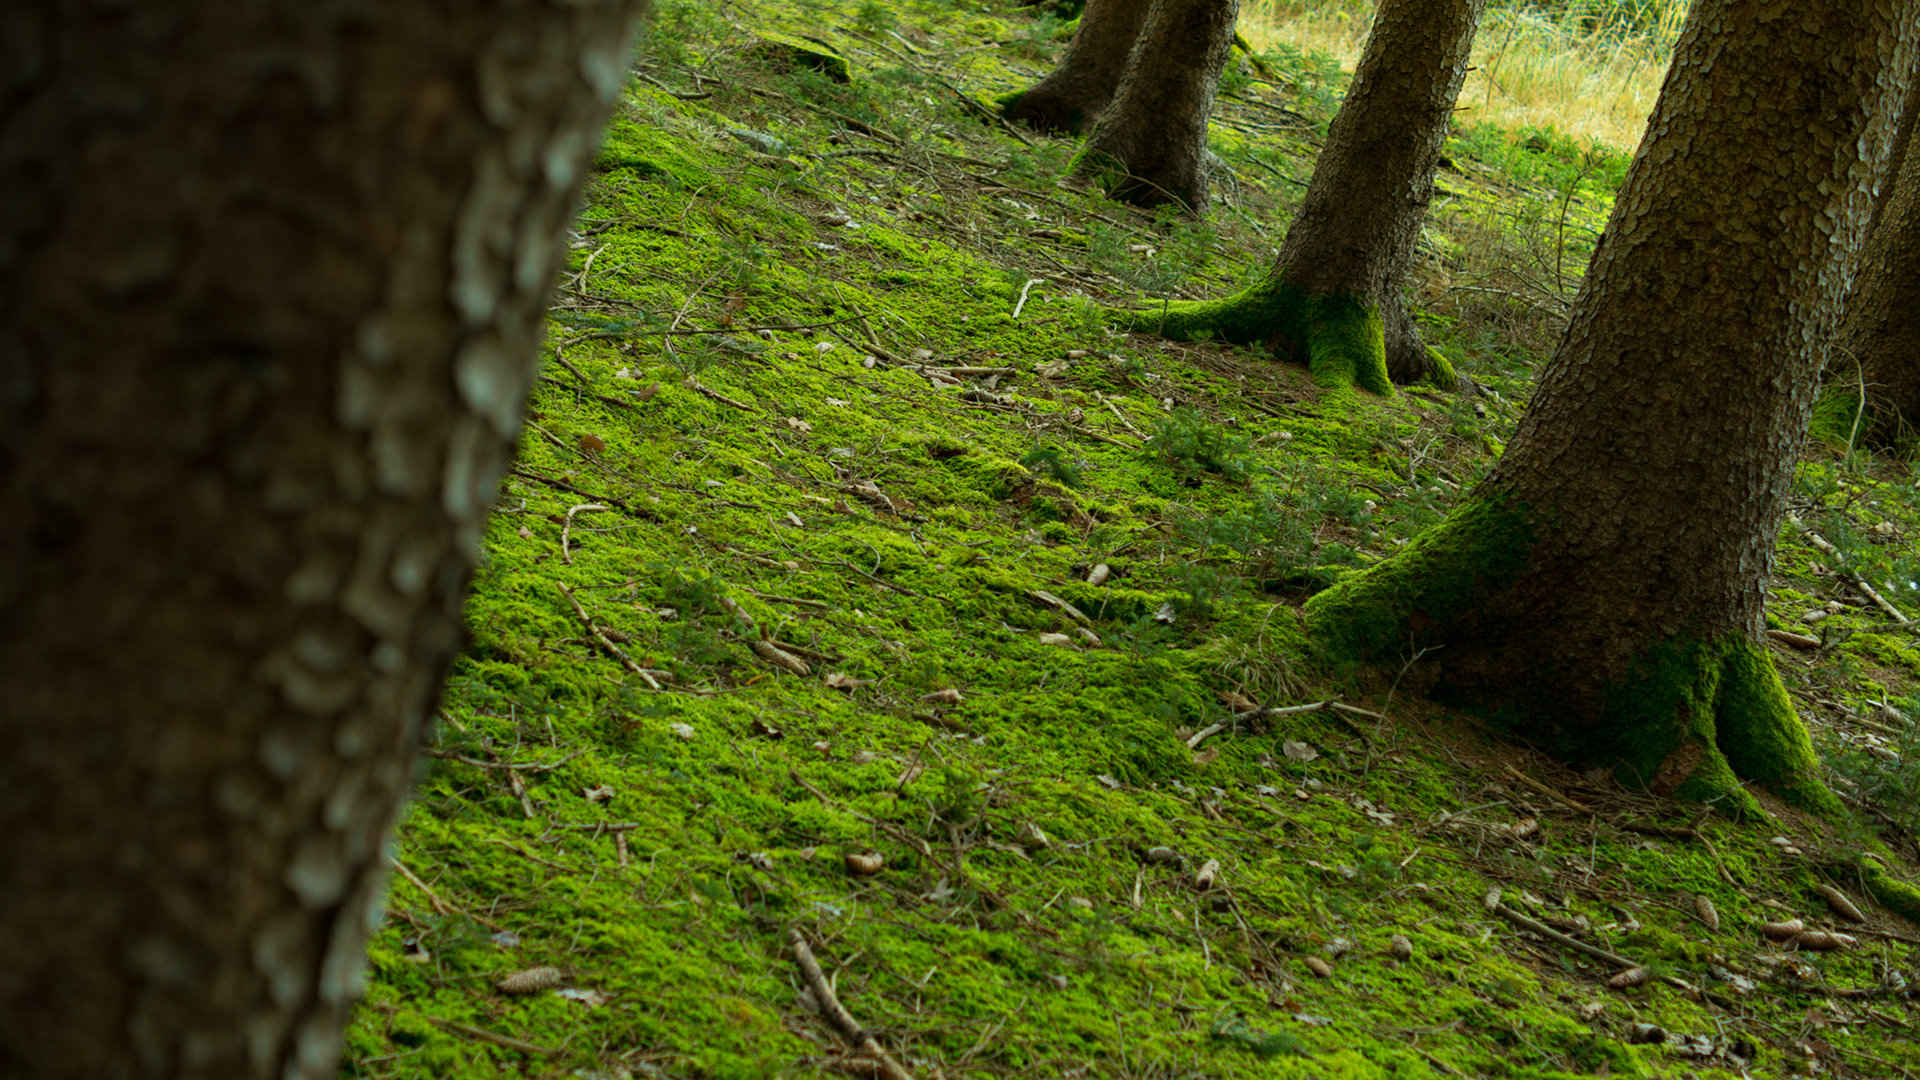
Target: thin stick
{"points": [[566, 530], [607, 642], [1115, 410], [1205, 733], [517, 766], [483, 1035], [700, 388], [1024, 290], [836, 1013], [440, 907], [1549, 792]]}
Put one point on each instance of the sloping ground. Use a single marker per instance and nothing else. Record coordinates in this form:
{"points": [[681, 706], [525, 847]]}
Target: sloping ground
{"points": [[855, 581]]}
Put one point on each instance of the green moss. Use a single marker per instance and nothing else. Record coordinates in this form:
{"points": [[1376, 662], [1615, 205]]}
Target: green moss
{"points": [[1397, 607], [1338, 337], [1697, 714], [1900, 897]]}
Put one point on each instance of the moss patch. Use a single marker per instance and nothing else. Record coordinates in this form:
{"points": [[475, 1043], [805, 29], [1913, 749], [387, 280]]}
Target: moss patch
{"points": [[1339, 337]]}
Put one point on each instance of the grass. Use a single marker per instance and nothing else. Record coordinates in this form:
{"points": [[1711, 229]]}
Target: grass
{"points": [[1592, 78], [866, 565]]}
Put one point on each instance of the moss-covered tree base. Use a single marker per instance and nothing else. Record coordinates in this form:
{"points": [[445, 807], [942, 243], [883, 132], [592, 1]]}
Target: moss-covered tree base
{"points": [[1339, 337], [1695, 716]]}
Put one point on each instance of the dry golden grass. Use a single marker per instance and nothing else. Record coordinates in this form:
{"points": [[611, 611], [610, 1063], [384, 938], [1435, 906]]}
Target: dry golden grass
{"points": [[1529, 69]]}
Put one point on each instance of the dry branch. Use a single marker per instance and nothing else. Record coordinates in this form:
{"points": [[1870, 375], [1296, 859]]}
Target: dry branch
{"points": [[606, 642], [836, 1013]]}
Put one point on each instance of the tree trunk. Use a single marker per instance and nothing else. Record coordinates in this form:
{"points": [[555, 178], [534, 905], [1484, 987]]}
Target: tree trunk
{"points": [[1078, 90], [1333, 298], [272, 276], [1881, 329], [1605, 585], [1149, 147]]}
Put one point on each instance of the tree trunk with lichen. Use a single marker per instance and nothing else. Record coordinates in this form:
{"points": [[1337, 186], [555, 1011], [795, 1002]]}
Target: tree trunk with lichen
{"points": [[273, 276], [1149, 147], [1603, 589], [1876, 356], [1332, 300], [1078, 90]]}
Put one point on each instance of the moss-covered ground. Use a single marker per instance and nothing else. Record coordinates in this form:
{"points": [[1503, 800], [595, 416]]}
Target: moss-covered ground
{"points": [[855, 578]]}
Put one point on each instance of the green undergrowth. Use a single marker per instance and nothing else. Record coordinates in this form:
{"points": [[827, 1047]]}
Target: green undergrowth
{"points": [[845, 526]]}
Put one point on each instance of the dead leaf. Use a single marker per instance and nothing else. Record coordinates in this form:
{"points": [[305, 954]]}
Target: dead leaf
{"points": [[593, 444], [840, 681], [799, 425], [1298, 752], [949, 696], [592, 999], [598, 794], [684, 731]]}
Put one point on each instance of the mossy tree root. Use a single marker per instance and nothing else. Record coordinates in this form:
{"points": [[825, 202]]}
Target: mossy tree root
{"points": [[1695, 716], [1900, 897], [1338, 336]]}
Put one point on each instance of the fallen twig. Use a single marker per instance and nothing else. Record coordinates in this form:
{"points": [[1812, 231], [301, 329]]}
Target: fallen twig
{"points": [[701, 388], [566, 530], [606, 642], [483, 1035], [440, 907], [1859, 582], [517, 766], [1024, 290], [1115, 410], [836, 1013]]}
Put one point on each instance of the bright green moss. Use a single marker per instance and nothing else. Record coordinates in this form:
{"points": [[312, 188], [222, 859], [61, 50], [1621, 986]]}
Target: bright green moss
{"points": [[1338, 337], [1397, 607]]}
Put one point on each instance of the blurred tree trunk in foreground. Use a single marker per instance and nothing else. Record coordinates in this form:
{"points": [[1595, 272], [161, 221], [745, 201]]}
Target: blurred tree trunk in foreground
{"points": [[273, 277]]}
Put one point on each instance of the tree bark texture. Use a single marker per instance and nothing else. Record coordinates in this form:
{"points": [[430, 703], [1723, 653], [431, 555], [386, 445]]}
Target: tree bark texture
{"points": [[1607, 581], [1333, 299], [1149, 147], [272, 277], [1880, 331], [1078, 90]]}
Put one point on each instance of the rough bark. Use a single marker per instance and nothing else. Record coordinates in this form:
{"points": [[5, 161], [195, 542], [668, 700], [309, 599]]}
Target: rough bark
{"points": [[1604, 586], [1078, 90], [1333, 299], [1149, 147], [271, 278], [1881, 329]]}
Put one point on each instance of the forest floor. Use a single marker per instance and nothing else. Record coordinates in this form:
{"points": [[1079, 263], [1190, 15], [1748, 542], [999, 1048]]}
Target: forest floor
{"points": [[857, 587]]}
